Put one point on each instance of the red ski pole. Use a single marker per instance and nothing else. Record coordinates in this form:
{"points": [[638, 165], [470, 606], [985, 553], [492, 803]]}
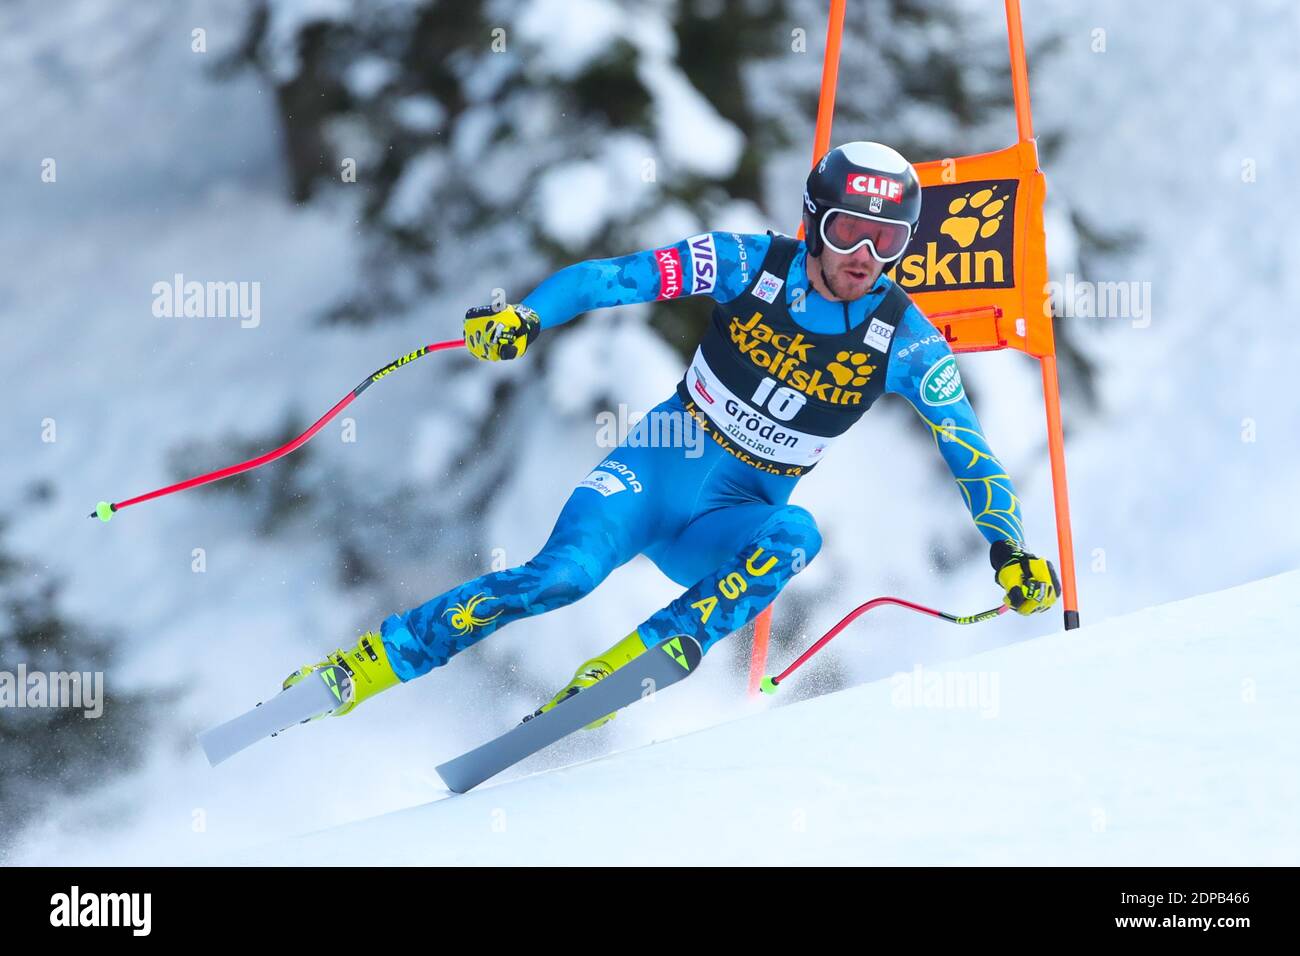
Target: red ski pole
{"points": [[769, 684], [105, 510]]}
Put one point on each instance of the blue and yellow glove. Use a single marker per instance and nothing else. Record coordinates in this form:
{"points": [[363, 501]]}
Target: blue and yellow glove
{"points": [[1030, 581], [494, 336]]}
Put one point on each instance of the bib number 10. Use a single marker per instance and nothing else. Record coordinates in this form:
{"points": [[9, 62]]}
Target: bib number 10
{"points": [[782, 403]]}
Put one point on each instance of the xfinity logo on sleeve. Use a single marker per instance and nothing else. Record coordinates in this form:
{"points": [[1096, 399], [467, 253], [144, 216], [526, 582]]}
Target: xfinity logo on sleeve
{"points": [[133, 910], [704, 264], [878, 335], [869, 184], [669, 262]]}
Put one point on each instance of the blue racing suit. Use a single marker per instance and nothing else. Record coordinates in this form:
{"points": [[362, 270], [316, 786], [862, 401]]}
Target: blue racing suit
{"points": [[701, 484]]}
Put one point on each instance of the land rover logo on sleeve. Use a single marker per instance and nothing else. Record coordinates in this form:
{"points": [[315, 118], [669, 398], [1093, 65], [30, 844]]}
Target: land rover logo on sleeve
{"points": [[878, 335], [768, 286], [942, 383]]}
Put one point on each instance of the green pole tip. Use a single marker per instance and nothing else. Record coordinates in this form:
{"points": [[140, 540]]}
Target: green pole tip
{"points": [[103, 511], [767, 685]]}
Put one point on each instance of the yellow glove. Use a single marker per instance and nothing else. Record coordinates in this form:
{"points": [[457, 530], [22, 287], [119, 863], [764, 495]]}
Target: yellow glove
{"points": [[1030, 581], [494, 336]]}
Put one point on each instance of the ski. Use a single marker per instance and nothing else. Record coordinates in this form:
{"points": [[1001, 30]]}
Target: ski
{"points": [[659, 667], [316, 694]]}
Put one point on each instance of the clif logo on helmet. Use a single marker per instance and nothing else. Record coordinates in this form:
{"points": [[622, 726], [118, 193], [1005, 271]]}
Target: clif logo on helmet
{"points": [[867, 184]]}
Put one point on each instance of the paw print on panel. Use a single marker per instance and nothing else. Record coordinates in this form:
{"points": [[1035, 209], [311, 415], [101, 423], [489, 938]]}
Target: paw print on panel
{"points": [[983, 217], [850, 368]]}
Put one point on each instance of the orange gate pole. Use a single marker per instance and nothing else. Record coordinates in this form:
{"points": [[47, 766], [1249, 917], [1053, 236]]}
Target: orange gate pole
{"points": [[821, 143], [1051, 384]]}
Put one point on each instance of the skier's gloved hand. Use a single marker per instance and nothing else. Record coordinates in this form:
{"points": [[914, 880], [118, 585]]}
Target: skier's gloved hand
{"points": [[1030, 581], [494, 336]]}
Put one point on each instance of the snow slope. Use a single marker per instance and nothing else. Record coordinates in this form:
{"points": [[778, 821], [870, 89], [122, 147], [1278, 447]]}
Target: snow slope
{"points": [[1166, 736]]}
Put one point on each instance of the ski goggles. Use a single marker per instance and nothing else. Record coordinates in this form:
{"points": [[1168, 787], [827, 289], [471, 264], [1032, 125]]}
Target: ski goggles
{"points": [[846, 232]]}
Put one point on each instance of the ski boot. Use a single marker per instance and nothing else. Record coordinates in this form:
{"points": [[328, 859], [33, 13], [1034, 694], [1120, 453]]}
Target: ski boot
{"points": [[367, 669], [593, 670]]}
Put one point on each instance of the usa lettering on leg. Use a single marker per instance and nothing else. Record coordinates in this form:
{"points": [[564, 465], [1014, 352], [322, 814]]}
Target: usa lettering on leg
{"points": [[735, 584]]}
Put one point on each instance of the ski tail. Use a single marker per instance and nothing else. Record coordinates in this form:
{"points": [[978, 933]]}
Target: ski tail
{"points": [[661, 666], [314, 696]]}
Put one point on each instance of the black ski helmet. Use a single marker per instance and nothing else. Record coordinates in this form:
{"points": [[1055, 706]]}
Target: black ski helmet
{"points": [[868, 180]]}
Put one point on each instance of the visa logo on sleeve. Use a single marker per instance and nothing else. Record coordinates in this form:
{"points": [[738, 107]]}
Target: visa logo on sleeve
{"points": [[704, 264]]}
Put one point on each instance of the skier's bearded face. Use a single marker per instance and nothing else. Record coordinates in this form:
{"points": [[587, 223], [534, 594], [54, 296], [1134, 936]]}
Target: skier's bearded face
{"points": [[849, 277]]}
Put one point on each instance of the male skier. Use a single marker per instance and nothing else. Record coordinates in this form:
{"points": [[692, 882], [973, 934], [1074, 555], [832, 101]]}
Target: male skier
{"points": [[804, 337]]}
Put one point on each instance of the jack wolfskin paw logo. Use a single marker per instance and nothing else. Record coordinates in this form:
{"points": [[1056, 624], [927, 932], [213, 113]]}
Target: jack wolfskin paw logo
{"points": [[854, 373], [983, 217]]}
